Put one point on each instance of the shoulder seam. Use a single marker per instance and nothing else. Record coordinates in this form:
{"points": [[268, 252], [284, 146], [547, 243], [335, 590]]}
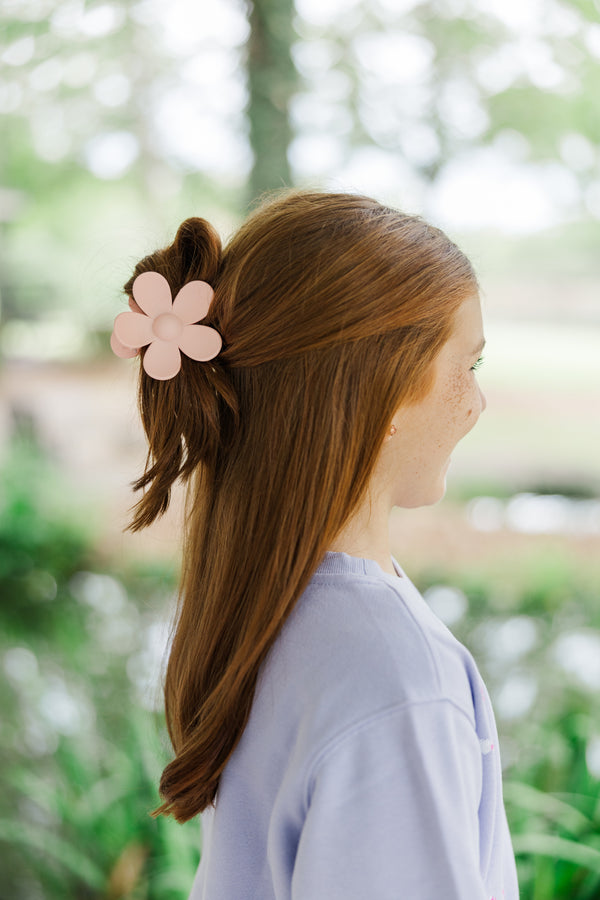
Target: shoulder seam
{"points": [[356, 727]]}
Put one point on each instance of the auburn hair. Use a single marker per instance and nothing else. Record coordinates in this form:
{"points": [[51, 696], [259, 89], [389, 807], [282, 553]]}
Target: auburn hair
{"points": [[332, 310]]}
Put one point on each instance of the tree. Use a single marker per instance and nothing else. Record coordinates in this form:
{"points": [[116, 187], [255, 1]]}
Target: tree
{"points": [[272, 82]]}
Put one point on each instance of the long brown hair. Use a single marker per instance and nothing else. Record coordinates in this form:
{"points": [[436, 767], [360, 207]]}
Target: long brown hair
{"points": [[332, 309]]}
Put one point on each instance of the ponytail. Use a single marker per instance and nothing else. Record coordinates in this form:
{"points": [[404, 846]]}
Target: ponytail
{"points": [[186, 418]]}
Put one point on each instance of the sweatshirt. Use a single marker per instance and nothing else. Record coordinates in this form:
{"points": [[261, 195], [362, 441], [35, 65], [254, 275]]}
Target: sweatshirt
{"points": [[369, 768]]}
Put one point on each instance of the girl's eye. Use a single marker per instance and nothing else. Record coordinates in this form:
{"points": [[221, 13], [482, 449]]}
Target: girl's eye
{"points": [[478, 364]]}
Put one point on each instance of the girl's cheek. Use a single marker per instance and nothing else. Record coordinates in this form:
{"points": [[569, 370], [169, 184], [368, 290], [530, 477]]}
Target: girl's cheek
{"points": [[458, 398]]}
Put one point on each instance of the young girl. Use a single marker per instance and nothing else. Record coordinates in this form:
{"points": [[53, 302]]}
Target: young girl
{"points": [[338, 740]]}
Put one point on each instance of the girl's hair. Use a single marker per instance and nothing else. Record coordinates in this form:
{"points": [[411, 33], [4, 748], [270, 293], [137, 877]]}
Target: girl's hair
{"points": [[332, 310]]}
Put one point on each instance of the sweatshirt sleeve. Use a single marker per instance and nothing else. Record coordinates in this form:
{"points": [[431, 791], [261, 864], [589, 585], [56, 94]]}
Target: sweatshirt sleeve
{"points": [[393, 810]]}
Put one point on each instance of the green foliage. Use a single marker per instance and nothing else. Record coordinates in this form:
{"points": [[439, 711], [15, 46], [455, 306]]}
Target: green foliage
{"points": [[81, 756]]}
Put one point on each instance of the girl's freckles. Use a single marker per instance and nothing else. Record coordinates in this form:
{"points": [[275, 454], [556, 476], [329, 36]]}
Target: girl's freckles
{"points": [[456, 391]]}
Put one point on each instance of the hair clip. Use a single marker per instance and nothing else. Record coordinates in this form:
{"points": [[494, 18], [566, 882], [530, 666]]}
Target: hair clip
{"points": [[168, 326]]}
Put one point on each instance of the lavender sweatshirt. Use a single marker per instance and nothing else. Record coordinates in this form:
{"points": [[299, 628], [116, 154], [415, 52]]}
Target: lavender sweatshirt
{"points": [[369, 767]]}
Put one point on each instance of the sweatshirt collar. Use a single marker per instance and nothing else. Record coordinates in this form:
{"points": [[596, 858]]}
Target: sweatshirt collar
{"points": [[337, 563]]}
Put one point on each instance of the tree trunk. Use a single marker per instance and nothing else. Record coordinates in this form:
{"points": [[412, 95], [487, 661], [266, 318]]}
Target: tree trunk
{"points": [[272, 80]]}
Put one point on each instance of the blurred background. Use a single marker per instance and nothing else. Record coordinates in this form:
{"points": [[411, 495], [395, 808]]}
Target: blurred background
{"points": [[118, 120]]}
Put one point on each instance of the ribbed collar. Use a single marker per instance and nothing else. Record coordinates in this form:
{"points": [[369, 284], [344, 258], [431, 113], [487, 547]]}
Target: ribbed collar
{"points": [[338, 563]]}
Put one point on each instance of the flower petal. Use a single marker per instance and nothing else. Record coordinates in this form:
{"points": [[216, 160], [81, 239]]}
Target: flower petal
{"points": [[192, 302], [152, 293], [200, 342], [120, 349], [162, 360], [133, 329]]}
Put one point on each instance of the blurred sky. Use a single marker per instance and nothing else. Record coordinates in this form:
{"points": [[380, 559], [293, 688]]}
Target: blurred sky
{"points": [[198, 111], [483, 187], [492, 186]]}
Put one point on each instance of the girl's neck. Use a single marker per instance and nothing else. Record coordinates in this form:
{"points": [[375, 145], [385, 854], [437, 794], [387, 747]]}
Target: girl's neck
{"points": [[366, 535]]}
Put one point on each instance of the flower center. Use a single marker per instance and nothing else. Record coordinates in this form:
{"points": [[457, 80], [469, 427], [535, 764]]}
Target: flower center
{"points": [[167, 327]]}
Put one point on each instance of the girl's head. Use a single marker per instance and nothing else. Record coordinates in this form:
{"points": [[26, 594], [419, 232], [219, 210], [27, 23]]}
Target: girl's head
{"points": [[333, 311]]}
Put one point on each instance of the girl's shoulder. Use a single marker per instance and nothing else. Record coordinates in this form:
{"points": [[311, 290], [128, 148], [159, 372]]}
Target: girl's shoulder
{"points": [[356, 644]]}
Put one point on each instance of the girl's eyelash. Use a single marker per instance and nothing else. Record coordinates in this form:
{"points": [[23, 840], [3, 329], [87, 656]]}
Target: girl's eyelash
{"points": [[478, 364]]}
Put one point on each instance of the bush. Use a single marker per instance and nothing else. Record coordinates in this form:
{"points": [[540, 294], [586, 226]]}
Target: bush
{"points": [[81, 744]]}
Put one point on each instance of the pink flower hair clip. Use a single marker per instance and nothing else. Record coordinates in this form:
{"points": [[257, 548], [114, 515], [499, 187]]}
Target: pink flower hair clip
{"points": [[167, 326]]}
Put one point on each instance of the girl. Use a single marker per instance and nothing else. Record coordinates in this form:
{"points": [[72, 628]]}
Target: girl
{"points": [[337, 739]]}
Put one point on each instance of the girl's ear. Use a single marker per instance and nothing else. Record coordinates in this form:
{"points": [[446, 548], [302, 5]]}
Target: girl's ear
{"points": [[390, 433]]}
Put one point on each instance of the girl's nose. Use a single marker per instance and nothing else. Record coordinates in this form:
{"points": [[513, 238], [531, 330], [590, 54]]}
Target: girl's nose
{"points": [[483, 400]]}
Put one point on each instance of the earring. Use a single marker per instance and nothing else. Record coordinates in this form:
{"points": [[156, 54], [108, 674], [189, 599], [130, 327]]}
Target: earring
{"points": [[392, 431]]}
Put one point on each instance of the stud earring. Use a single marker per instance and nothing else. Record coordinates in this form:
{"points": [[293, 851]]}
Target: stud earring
{"points": [[393, 430]]}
